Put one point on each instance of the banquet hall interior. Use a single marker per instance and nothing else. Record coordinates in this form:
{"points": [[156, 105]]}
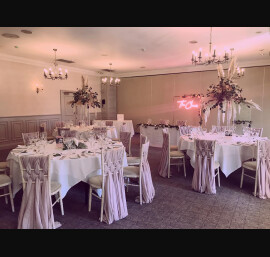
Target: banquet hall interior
{"points": [[134, 127]]}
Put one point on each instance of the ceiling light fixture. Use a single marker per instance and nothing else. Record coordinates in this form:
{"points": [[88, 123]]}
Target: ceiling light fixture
{"points": [[112, 81], [55, 72], [210, 58]]}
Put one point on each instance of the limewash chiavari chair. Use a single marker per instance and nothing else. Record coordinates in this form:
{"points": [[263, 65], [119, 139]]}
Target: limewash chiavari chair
{"points": [[27, 137], [143, 174], [5, 183], [44, 167], [167, 156], [183, 130], [135, 160], [113, 199], [261, 168], [36, 210], [125, 138], [253, 131], [204, 174]]}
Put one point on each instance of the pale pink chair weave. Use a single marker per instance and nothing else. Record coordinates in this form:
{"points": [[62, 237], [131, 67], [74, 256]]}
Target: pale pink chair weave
{"points": [[258, 131], [263, 170], [109, 123], [204, 172], [28, 136], [36, 208], [164, 159], [184, 130], [148, 190], [115, 205], [125, 138]]}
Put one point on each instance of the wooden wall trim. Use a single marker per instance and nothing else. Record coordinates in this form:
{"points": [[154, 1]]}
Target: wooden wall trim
{"points": [[11, 128]]}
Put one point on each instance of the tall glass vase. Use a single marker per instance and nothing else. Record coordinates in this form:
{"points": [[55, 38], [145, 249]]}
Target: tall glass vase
{"points": [[81, 115]]}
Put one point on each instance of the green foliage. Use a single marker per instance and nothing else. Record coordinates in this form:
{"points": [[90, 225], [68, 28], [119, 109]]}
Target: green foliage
{"points": [[85, 96]]}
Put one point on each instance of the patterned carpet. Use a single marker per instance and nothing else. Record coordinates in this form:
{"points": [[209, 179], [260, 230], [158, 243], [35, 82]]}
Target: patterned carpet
{"points": [[175, 205]]}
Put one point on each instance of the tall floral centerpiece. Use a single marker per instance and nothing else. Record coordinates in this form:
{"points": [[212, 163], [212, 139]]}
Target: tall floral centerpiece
{"points": [[226, 96], [84, 99]]}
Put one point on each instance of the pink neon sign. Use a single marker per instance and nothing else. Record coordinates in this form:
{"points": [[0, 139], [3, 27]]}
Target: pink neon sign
{"points": [[187, 104]]}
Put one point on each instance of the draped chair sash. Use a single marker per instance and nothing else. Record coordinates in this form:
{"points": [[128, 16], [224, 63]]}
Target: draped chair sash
{"points": [[263, 169], [125, 139], [36, 208], [28, 136], [184, 130], [165, 155], [258, 131], [115, 206], [204, 172], [148, 190]]}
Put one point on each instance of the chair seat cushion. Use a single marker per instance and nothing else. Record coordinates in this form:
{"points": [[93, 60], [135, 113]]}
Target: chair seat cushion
{"points": [[250, 165], [55, 186], [3, 165], [173, 148], [133, 160], [95, 181], [176, 154], [4, 180], [131, 172]]}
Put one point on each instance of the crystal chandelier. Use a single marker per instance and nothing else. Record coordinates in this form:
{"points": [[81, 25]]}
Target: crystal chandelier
{"points": [[210, 58], [112, 81], [55, 72]]}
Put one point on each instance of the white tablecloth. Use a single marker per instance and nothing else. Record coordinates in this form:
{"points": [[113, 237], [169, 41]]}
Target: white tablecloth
{"points": [[111, 131], [228, 152], [155, 135], [68, 172], [117, 124]]}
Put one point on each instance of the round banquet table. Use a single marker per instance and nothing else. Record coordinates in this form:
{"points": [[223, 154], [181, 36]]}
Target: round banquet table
{"points": [[155, 135], [111, 131], [68, 171], [230, 152], [117, 124]]}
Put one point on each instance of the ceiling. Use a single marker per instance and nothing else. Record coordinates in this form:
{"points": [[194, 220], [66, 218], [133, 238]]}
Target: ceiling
{"points": [[131, 48]]}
